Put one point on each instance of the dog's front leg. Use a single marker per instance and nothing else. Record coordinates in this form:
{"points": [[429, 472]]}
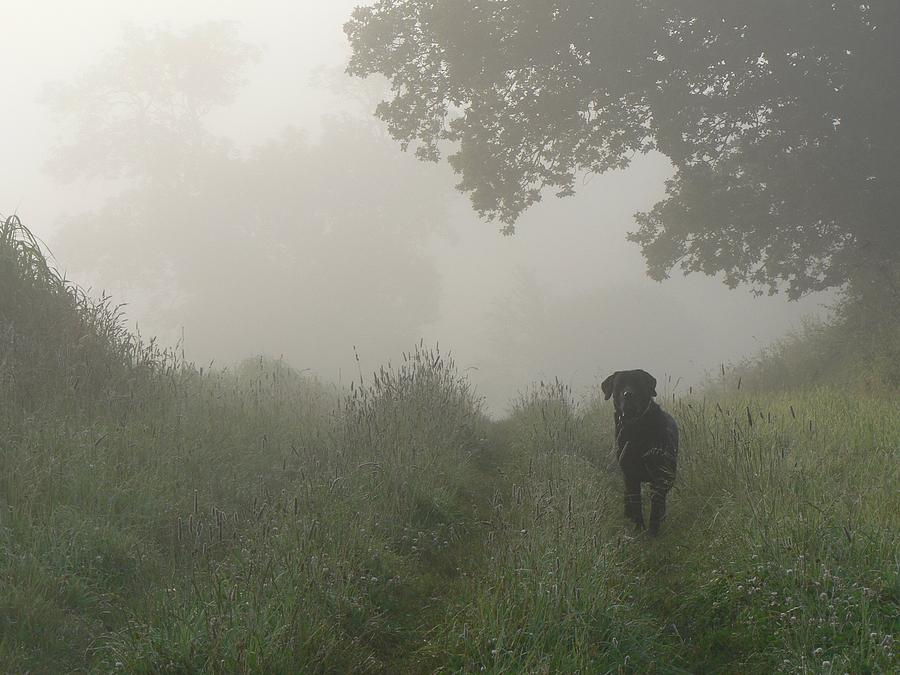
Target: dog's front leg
{"points": [[633, 510]]}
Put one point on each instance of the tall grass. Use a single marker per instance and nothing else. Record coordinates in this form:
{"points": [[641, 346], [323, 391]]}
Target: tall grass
{"points": [[258, 523], [158, 517], [60, 349], [164, 518], [857, 347], [780, 553]]}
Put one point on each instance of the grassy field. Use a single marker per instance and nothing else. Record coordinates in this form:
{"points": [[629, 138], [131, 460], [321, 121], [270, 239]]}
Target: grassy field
{"points": [[155, 517]]}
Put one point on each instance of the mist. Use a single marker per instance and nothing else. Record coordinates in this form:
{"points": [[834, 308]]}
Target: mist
{"points": [[260, 209]]}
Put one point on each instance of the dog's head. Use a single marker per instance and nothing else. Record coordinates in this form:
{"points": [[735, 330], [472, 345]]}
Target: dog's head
{"points": [[632, 391]]}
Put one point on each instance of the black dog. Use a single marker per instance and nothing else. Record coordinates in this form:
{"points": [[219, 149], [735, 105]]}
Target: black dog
{"points": [[647, 440]]}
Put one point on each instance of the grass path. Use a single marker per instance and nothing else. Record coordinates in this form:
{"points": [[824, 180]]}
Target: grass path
{"points": [[442, 578], [780, 553]]}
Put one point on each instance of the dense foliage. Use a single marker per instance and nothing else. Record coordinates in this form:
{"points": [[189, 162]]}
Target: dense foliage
{"points": [[779, 118]]}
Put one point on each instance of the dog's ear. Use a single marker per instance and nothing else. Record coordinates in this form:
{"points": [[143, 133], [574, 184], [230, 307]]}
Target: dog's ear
{"points": [[607, 386], [651, 381]]}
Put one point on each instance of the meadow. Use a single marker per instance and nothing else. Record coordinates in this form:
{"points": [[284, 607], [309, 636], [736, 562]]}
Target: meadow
{"points": [[160, 517]]}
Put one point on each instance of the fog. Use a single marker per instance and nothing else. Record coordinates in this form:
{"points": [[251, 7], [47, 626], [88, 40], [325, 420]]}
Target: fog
{"points": [[260, 209]]}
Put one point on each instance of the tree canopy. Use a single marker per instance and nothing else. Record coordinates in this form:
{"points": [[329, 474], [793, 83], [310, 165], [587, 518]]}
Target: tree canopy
{"points": [[780, 119]]}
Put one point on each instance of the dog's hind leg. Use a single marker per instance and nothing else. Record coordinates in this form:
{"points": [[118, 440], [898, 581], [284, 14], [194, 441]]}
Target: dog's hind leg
{"points": [[633, 510], [657, 506]]}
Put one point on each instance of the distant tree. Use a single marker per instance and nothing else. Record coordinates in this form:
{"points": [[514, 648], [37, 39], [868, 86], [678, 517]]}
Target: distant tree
{"points": [[140, 112], [780, 119], [301, 247]]}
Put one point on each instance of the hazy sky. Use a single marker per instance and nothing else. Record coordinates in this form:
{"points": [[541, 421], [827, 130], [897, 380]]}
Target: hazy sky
{"points": [[601, 311], [47, 41]]}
